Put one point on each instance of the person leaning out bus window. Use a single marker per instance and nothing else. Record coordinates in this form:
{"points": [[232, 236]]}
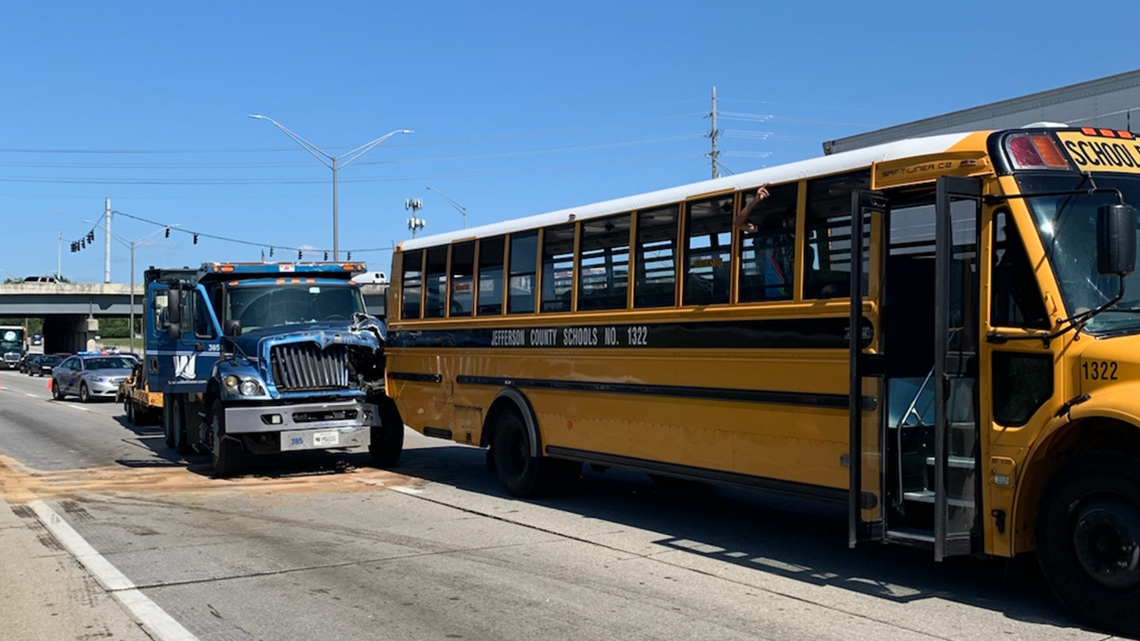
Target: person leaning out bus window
{"points": [[775, 246]]}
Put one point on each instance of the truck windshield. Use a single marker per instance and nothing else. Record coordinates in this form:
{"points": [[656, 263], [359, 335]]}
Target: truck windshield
{"points": [[11, 339], [1067, 227], [274, 304]]}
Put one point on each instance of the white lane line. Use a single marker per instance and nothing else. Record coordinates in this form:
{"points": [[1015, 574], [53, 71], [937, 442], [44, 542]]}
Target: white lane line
{"points": [[78, 407], [154, 620], [32, 395]]}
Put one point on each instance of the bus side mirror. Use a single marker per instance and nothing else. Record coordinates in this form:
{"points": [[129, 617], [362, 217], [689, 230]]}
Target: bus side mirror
{"points": [[1116, 239]]}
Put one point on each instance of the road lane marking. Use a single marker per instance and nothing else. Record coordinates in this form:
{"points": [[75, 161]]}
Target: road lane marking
{"points": [[154, 620]]}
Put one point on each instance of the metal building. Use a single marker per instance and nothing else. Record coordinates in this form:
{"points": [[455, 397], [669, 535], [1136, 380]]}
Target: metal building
{"points": [[1107, 102]]}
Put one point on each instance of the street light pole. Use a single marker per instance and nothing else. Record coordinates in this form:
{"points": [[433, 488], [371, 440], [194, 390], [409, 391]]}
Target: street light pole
{"points": [[332, 162], [460, 208]]}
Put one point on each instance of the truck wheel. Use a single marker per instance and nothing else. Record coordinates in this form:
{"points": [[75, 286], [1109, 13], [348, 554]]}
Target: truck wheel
{"points": [[129, 409], [523, 475], [1088, 539], [387, 440], [56, 392], [226, 450], [178, 427]]}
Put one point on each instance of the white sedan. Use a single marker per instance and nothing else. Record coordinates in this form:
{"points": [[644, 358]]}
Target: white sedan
{"points": [[90, 376]]}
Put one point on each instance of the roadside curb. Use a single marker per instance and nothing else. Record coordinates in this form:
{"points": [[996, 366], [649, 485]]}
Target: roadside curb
{"points": [[46, 594]]}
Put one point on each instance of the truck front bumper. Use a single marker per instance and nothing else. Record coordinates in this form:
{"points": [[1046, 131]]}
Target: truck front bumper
{"points": [[311, 426], [307, 417]]}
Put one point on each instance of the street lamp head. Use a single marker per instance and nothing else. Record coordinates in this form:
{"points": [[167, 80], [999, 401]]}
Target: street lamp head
{"points": [[258, 117]]}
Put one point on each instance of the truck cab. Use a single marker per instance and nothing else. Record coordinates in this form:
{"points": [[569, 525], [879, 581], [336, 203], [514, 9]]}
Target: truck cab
{"points": [[260, 358]]}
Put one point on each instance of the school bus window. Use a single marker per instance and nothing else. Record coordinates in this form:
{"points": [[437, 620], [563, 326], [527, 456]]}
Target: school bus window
{"points": [[656, 264], [603, 263], [1017, 301], [490, 295], [557, 268], [767, 256], [411, 283], [524, 259], [828, 235], [436, 282], [708, 245], [462, 279]]}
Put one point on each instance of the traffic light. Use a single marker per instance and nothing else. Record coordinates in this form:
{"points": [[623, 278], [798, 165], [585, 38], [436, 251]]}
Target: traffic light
{"points": [[326, 255], [168, 232], [271, 252], [83, 243], [91, 236], [349, 256], [300, 254], [195, 239]]}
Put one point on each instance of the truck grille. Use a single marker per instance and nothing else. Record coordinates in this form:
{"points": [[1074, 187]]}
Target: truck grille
{"points": [[305, 366]]}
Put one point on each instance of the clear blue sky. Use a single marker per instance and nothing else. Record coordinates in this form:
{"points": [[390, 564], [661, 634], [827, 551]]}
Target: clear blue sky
{"points": [[518, 107]]}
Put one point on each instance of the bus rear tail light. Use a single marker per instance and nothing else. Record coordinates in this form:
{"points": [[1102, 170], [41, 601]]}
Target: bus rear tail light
{"points": [[1035, 151]]}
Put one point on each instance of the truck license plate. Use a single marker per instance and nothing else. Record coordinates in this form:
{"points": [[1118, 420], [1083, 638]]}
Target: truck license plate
{"points": [[325, 439]]}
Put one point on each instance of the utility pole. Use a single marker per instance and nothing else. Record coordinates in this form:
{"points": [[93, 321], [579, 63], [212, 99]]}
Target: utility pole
{"points": [[713, 135], [59, 255], [107, 250]]}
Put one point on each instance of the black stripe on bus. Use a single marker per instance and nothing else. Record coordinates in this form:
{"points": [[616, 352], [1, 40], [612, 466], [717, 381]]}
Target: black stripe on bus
{"points": [[785, 333], [418, 378], [800, 399], [790, 488], [438, 432]]}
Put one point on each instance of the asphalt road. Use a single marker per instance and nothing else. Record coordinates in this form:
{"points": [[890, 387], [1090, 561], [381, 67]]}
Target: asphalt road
{"points": [[322, 546]]}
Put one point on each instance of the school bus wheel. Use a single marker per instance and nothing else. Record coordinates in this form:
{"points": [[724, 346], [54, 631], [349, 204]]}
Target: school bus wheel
{"points": [[1088, 539], [523, 475]]}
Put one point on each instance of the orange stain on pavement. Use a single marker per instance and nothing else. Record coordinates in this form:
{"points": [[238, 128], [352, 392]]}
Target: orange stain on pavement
{"points": [[21, 484]]}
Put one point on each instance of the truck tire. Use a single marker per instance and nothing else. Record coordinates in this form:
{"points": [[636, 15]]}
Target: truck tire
{"points": [[225, 450], [1088, 534], [178, 427], [387, 440], [129, 409]]}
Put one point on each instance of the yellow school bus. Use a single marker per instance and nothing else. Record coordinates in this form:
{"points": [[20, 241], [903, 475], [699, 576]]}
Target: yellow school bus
{"points": [[941, 333]]}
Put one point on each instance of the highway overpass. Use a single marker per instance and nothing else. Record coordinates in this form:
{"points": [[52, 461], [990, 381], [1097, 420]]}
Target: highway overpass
{"points": [[69, 308]]}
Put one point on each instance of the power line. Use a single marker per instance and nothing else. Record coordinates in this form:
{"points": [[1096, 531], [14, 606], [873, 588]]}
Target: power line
{"points": [[171, 227]]}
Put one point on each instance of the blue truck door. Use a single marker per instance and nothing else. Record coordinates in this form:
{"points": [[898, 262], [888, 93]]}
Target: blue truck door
{"points": [[183, 362]]}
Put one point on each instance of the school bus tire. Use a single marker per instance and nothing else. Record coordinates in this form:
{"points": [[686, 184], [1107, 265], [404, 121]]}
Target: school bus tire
{"points": [[523, 475], [1088, 539], [387, 439]]}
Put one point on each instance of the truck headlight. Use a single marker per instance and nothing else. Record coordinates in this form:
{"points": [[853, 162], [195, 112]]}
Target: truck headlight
{"points": [[249, 388]]}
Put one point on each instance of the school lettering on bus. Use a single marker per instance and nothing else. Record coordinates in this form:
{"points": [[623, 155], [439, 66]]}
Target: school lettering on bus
{"points": [[1101, 153], [578, 336]]}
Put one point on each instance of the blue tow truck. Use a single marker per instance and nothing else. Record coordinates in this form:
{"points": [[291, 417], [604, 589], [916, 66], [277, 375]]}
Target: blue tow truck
{"points": [[261, 358]]}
